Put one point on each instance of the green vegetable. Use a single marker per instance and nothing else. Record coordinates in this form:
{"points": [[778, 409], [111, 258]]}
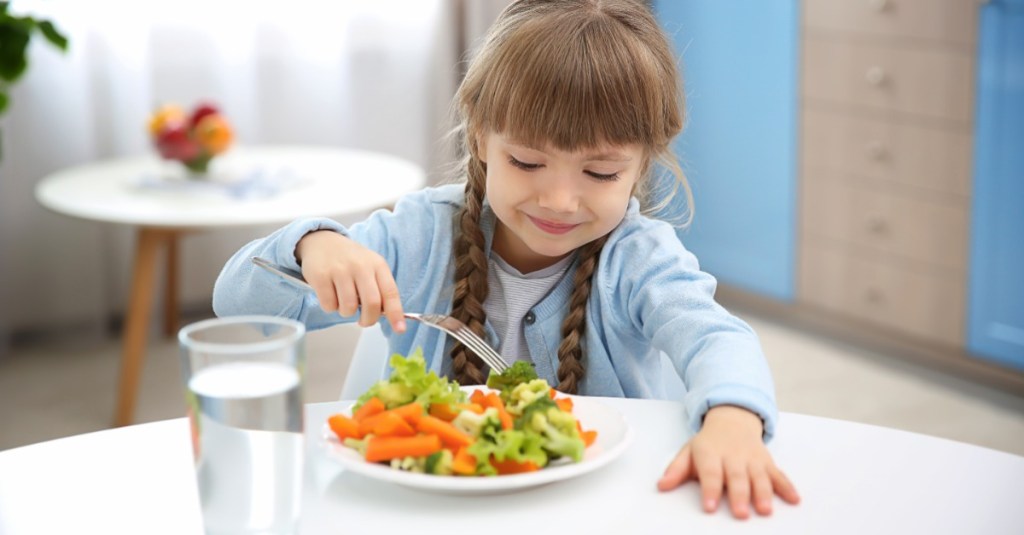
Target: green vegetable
{"points": [[410, 464], [525, 394], [439, 464], [560, 437], [516, 374], [410, 381], [356, 444], [476, 425], [511, 444]]}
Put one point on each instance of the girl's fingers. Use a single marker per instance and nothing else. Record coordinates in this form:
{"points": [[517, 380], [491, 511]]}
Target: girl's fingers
{"points": [[761, 485], [678, 471], [348, 297], [325, 293], [709, 472], [737, 480], [391, 300], [369, 299], [783, 487]]}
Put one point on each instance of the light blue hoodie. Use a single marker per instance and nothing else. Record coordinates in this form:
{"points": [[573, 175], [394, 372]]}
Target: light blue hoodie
{"points": [[648, 296]]}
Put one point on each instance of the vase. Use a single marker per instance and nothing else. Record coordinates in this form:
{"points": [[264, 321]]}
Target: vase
{"points": [[198, 168]]}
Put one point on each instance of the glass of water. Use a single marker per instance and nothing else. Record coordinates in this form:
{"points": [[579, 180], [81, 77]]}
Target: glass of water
{"points": [[243, 380]]}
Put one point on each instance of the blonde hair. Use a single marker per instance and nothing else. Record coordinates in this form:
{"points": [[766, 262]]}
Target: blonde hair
{"points": [[572, 75]]}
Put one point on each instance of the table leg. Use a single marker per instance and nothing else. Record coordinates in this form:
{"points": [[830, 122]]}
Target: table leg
{"points": [[171, 288], [148, 242]]}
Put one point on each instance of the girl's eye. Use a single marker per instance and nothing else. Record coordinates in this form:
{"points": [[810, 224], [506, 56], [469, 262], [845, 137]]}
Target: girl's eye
{"points": [[523, 165], [602, 177]]}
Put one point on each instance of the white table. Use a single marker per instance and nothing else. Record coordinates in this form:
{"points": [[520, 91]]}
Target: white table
{"points": [[296, 182], [853, 478]]}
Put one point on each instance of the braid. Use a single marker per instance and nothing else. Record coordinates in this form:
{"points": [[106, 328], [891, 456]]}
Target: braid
{"points": [[470, 275], [570, 351]]}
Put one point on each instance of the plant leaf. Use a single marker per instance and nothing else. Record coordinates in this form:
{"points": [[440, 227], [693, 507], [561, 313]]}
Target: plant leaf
{"points": [[53, 35], [13, 42], [4, 101]]}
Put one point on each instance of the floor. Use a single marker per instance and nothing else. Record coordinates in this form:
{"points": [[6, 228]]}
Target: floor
{"points": [[63, 388]]}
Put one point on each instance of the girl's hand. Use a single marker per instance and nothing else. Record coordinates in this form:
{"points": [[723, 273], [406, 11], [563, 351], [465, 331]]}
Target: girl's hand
{"points": [[728, 453], [349, 278]]}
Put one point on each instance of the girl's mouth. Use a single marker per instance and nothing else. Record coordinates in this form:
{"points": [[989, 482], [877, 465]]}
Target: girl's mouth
{"points": [[552, 227]]}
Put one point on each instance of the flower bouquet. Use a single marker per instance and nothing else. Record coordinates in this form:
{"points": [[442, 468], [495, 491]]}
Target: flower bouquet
{"points": [[193, 139]]}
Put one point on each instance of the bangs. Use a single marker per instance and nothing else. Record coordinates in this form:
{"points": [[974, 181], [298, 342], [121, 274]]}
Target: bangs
{"points": [[574, 83]]}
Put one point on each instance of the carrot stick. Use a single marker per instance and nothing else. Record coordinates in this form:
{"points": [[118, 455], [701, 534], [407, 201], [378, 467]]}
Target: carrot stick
{"points": [[386, 448], [492, 399], [478, 397], [564, 403], [444, 411], [449, 411], [371, 407], [409, 412], [464, 463], [450, 435], [471, 407], [388, 424], [344, 427], [508, 466]]}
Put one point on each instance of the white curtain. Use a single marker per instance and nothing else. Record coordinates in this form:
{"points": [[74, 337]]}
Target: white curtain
{"points": [[370, 74]]}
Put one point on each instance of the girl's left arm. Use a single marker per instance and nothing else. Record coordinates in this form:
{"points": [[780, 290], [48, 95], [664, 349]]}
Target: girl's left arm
{"points": [[730, 397]]}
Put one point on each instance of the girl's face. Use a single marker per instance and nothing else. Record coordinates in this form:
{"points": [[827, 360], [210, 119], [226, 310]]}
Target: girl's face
{"points": [[550, 202]]}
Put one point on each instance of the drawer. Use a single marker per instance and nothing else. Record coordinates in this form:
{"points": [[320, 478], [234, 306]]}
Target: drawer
{"points": [[916, 80], [885, 222], [946, 21], [926, 304], [934, 158]]}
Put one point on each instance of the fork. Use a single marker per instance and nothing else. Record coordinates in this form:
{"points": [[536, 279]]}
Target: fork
{"points": [[454, 327]]}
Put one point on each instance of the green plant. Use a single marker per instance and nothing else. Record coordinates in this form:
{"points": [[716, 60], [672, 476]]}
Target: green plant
{"points": [[16, 33]]}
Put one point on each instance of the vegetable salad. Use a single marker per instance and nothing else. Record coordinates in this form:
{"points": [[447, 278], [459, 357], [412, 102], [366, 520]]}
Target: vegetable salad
{"points": [[420, 422]]}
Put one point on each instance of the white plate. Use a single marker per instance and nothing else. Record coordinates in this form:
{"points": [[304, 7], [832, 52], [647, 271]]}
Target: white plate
{"points": [[613, 437]]}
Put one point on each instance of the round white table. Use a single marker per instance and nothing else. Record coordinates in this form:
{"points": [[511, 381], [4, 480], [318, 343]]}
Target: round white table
{"points": [[853, 478], [247, 186]]}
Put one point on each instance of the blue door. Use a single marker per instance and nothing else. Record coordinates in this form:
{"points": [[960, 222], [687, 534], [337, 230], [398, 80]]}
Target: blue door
{"points": [[738, 149], [995, 327]]}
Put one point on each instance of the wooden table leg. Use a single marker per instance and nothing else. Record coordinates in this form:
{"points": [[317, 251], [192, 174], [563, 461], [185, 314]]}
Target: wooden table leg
{"points": [[171, 288], [148, 242]]}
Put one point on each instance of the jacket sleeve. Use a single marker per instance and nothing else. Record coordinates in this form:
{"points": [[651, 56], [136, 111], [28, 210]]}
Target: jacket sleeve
{"points": [[671, 302]]}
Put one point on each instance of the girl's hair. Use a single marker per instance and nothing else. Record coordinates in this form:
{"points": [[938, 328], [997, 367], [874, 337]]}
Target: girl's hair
{"points": [[571, 75]]}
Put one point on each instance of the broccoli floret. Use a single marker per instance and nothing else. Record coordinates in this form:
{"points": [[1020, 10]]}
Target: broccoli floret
{"points": [[477, 425], [516, 374], [439, 464], [525, 394], [558, 428]]}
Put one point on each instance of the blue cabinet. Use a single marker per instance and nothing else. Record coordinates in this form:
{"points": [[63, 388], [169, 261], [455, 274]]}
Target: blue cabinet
{"points": [[995, 328], [739, 146]]}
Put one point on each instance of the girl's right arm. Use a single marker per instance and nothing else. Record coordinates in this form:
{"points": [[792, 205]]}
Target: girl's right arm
{"points": [[243, 288]]}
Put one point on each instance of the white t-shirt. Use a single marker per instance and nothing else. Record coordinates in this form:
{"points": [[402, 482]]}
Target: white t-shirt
{"points": [[511, 295]]}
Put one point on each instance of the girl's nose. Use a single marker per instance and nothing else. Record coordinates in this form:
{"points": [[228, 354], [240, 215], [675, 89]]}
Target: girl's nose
{"points": [[559, 195]]}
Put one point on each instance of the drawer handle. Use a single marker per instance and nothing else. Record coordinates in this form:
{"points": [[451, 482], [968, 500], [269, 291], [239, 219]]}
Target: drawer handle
{"points": [[878, 6], [876, 76], [876, 151], [877, 225]]}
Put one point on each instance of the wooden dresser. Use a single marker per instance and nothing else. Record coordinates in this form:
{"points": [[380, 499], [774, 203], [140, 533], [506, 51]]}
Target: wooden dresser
{"points": [[886, 111]]}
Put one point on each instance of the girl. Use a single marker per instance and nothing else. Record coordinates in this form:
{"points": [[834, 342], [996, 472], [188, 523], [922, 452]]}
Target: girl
{"points": [[543, 248]]}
